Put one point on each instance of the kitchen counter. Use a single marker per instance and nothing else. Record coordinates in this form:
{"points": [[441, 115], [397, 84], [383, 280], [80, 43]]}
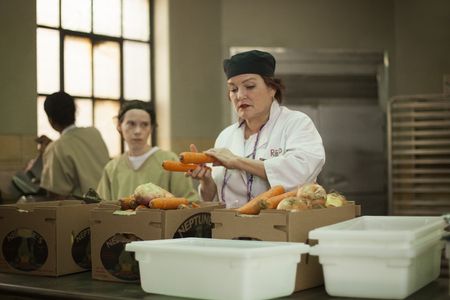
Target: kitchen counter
{"points": [[82, 286]]}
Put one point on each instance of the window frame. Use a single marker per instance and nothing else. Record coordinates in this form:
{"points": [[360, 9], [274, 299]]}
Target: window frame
{"points": [[98, 38]]}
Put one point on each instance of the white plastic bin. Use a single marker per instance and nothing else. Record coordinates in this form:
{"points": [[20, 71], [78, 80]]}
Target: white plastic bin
{"points": [[218, 269], [382, 257]]}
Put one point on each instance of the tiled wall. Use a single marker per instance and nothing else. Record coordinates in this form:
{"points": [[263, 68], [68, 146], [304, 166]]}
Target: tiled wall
{"points": [[15, 152]]}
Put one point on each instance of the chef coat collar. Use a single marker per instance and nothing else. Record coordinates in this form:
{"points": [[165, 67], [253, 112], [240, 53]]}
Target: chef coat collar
{"points": [[275, 110]]}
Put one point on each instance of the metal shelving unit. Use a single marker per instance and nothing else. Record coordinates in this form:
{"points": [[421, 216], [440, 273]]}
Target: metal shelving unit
{"points": [[419, 155]]}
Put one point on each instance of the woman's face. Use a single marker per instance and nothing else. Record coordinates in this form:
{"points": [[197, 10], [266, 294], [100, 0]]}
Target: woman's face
{"points": [[135, 128], [250, 96]]}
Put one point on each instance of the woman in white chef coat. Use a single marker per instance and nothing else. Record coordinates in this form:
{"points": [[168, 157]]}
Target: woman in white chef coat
{"points": [[269, 145]]}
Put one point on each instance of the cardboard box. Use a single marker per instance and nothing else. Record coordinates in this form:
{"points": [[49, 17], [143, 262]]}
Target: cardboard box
{"points": [[283, 226], [110, 233], [45, 238]]}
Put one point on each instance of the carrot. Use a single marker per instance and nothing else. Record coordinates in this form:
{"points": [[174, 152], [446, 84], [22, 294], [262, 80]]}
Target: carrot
{"points": [[196, 158], [128, 202], [272, 202], [141, 206], [167, 203], [176, 166], [254, 205]]}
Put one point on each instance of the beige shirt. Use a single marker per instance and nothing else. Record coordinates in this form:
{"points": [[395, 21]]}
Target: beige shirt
{"points": [[74, 163]]}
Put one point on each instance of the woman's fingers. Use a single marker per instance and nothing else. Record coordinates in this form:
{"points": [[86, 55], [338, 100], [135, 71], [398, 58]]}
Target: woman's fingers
{"points": [[193, 148], [195, 173], [224, 156], [208, 173], [204, 172], [200, 172]]}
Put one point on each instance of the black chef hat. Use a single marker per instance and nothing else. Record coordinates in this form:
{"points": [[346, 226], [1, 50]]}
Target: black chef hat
{"points": [[252, 62]]}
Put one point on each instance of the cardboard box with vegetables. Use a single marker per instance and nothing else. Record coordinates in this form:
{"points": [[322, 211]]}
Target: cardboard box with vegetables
{"points": [[151, 213], [277, 215]]}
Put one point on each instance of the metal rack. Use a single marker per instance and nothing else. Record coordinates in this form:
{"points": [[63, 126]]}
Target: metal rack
{"points": [[419, 155]]}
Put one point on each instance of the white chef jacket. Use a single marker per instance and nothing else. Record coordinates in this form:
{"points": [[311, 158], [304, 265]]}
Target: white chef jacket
{"points": [[290, 146]]}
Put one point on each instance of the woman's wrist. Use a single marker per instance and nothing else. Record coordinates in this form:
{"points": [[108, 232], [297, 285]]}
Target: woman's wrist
{"points": [[207, 189], [236, 163], [249, 165]]}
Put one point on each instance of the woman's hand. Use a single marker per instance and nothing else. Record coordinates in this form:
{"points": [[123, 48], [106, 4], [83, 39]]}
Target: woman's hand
{"points": [[224, 156], [202, 173], [229, 160]]}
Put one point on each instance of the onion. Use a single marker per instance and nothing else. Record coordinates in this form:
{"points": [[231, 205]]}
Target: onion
{"points": [[318, 203], [335, 200], [312, 191], [293, 204]]}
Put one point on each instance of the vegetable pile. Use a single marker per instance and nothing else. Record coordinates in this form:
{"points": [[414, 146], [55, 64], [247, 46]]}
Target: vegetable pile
{"points": [[308, 196], [149, 195]]}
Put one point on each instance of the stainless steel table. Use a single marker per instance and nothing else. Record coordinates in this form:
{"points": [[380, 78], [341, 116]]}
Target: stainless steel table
{"points": [[82, 286]]}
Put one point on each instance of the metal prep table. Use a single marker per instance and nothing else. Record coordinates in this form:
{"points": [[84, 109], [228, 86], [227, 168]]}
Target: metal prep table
{"points": [[82, 286]]}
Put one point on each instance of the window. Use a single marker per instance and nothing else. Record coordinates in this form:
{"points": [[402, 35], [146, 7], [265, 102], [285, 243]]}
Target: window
{"points": [[99, 52]]}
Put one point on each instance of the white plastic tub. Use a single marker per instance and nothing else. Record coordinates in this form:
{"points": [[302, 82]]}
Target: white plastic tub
{"points": [[382, 257], [218, 269]]}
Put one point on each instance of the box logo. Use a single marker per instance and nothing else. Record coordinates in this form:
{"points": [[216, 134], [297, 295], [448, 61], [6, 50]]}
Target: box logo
{"points": [[198, 225], [25, 249], [81, 249], [118, 262]]}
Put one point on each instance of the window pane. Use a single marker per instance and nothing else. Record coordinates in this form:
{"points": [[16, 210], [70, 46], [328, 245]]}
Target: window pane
{"points": [[107, 70], [136, 23], [136, 70], [107, 17], [105, 111], [83, 116], [76, 15], [77, 66], [47, 42], [43, 126], [47, 12]]}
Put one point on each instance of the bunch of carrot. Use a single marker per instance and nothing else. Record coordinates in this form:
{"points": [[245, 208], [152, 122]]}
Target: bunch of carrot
{"points": [[130, 203], [268, 199], [308, 196], [188, 162]]}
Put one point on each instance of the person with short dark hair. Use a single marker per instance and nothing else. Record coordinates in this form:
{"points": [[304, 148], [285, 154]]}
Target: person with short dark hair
{"points": [[73, 163], [270, 144], [142, 163]]}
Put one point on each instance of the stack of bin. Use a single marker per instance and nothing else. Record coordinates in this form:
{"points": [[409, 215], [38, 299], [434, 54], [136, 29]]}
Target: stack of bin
{"points": [[384, 257]]}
